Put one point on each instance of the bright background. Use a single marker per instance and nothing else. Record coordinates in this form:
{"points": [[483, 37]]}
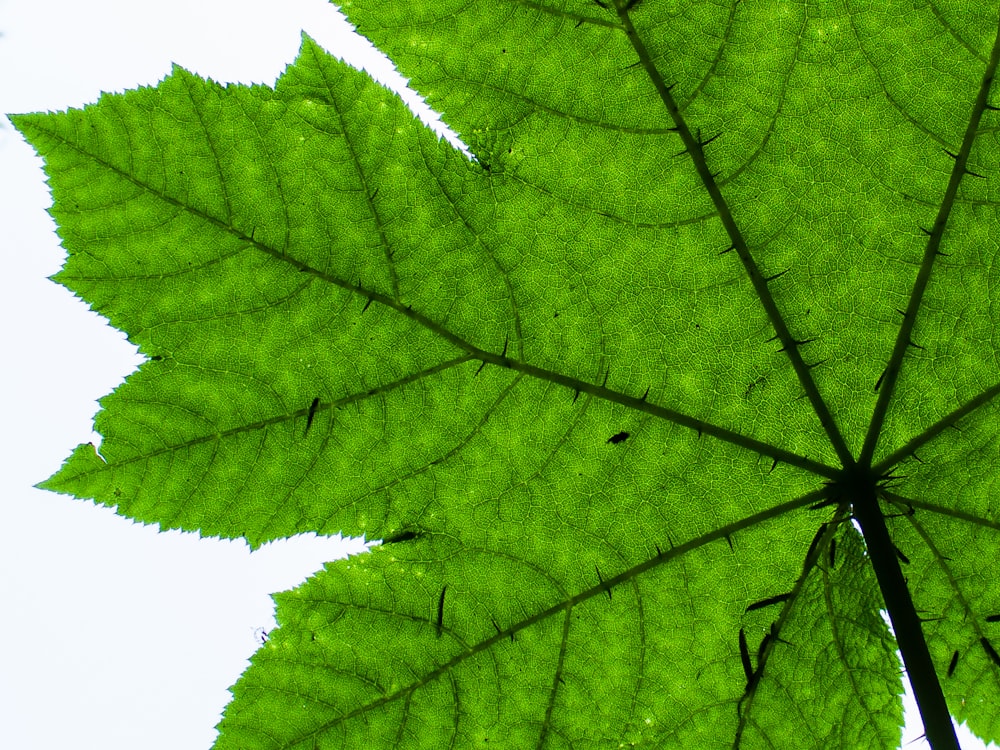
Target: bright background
{"points": [[115, 636]]}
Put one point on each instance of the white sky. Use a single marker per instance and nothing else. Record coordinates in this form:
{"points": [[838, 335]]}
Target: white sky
{"points": [[116, 636]]}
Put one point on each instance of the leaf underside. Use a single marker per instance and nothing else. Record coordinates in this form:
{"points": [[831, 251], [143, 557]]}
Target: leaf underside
{"points": [[611, 391]]}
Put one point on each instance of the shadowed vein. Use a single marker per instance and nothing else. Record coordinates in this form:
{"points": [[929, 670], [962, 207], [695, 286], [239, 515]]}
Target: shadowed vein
{"points": [[897, 105], [950, 30], [488, 251], [556, 677]]}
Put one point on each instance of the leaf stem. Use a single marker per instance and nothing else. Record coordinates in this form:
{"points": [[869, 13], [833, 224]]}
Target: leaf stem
{"points": [[938, 725]]}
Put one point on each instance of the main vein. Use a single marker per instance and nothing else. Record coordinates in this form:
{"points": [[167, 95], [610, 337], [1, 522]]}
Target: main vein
{"points": [[563, 607], [598, 391], [738, 243], [935, 235]]}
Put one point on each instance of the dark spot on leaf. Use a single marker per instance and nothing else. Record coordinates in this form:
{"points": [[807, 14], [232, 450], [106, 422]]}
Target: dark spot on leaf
{"points": [[621, 437]]}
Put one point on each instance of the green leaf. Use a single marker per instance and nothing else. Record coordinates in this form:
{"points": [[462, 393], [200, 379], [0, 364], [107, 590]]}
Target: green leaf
{"points": [[718, 281]]}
